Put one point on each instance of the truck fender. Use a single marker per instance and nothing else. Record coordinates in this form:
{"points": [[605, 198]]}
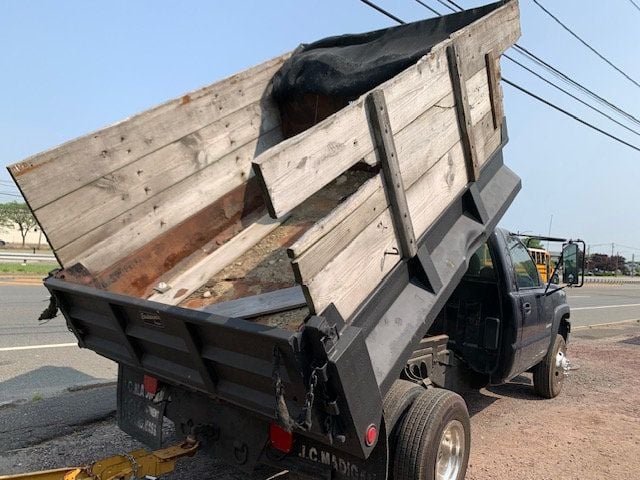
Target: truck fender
{"points": [[561, 323]]}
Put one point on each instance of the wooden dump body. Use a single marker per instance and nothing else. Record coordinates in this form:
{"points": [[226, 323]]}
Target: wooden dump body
{"points": [[170, 196], [338, 245]]}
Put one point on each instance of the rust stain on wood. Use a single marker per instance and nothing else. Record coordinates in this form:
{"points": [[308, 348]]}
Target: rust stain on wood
{"points": [[139, 272]]}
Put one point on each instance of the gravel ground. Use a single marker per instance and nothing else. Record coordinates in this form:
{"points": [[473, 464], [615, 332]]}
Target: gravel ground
{"points": [[591, 431]]}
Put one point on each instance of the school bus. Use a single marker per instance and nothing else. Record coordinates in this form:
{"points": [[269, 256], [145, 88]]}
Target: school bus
{"points": [[542, 259]]}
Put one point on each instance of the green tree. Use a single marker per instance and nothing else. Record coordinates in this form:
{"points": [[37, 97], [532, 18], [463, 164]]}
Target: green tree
{"points": [[15, 213], [533, 243]]}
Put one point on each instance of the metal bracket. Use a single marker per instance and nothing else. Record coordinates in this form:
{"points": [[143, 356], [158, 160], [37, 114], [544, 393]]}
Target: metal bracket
{"points": [[425, 270], [383, 139], [473, 204]]}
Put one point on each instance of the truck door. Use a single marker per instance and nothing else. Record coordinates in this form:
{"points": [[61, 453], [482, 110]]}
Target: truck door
{"points": [[529, 303]]}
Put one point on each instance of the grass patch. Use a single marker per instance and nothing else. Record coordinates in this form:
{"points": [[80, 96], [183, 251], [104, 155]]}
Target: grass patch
{"points": [[28, 269], [37, 397]]}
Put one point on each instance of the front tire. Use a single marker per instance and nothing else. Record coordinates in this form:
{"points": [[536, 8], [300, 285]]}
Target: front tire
{"points": [[548, 375], [434, 438]]}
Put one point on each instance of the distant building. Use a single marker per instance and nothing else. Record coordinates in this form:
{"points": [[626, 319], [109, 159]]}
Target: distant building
{"points": [[11, 235]]}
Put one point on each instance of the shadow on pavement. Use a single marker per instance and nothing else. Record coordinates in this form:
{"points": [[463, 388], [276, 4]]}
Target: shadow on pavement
{"points": [[43, 381]]}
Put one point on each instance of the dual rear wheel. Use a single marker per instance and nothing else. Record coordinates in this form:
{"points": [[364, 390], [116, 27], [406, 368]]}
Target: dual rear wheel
{"points": [[432, 437]]}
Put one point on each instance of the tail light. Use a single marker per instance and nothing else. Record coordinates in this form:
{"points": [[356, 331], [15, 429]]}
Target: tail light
{"points": [[280, 438], [150, 384]]}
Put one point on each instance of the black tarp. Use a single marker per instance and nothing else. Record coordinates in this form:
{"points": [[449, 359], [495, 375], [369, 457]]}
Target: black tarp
{"points": [[341, 68]]}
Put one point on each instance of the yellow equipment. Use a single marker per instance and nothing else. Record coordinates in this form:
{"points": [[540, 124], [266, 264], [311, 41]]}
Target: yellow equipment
{"points": [[136, 464]]}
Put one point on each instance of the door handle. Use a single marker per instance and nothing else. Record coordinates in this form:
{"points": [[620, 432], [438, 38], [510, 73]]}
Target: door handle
{"points": [[527, 308]]}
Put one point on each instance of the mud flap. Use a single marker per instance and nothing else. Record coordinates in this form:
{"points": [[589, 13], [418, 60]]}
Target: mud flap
{"points": [[140, 414]]}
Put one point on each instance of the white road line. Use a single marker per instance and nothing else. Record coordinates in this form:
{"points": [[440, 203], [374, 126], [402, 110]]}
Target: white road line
{"points": [[608, 306], [582, 327], [36, 347]]}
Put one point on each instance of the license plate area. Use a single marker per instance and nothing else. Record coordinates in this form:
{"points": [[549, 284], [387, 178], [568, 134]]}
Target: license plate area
{"points": [[140, 414]]}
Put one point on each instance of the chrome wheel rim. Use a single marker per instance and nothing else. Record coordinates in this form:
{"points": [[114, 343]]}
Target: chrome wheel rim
{"points": [[562, 365], [450, 451]]}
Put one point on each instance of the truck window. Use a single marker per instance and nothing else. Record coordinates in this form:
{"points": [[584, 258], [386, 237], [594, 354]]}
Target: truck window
{"points": [[526, 272], [481, 265]]}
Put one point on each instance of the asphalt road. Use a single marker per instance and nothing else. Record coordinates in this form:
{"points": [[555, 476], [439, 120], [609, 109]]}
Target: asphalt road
{"points": [[41, 359], [598, 304]]}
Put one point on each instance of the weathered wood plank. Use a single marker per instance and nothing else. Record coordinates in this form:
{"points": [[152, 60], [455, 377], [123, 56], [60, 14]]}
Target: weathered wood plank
{"points": [[109, 196], [189, 280], [467, 137], [430, 195], [122, 235], [204, 231], [349, 278], [327, 238], [52, 174], [388, 158], [495, 92], [300, 166], [303, 164], [258, 305], [496, 31], [418, 151]]}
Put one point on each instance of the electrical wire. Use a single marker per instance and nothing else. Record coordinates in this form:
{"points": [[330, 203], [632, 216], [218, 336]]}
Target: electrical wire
{"points": [[563, 76], [532, 72], [383, 11], [525, 91], [586, 44], [441, 2], [432, 10], [635, 5], [569, 114]]}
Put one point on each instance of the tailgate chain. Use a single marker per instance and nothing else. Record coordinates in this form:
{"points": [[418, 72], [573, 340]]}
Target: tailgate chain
{"points": [[283, 417]]}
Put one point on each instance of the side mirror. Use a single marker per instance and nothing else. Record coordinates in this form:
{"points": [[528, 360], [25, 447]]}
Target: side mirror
{"points": [[572, 265]]}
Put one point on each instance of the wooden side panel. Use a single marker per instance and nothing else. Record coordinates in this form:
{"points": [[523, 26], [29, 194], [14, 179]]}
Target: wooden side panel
{"points": [[50, 175], [302, 165], [352, 274], [109, 196], [430, 195], [131, 230], [327, 238]]}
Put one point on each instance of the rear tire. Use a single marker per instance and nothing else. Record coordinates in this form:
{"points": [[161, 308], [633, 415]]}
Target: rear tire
{"points": [[399, 398], [548, 375], [433, 438]]}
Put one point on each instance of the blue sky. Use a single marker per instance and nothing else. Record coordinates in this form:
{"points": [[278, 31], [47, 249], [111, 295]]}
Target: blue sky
{"points": [[70, 67]]}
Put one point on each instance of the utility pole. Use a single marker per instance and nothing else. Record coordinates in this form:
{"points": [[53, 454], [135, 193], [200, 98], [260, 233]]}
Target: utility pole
{"points": [[614, 270], [633, 264]]}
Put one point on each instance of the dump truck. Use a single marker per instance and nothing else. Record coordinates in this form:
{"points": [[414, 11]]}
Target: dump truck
{"points": [[283, 263]]}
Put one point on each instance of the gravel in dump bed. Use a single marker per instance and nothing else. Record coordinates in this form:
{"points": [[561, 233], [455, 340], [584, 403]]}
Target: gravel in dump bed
{"points": [[266, 267]]}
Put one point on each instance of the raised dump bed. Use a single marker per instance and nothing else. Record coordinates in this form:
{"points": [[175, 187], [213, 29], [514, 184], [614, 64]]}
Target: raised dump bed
{"points": [[360, 222], [169, 195]]}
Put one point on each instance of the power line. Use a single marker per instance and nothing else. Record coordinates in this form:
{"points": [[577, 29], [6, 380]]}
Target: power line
{"points": [[432, 10], [586, 44], [527, 92], [563, 76], [559, 74], [383, 11], [569, 114], [532, 72], [446, 6], [8, 194], [635, 5]]}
